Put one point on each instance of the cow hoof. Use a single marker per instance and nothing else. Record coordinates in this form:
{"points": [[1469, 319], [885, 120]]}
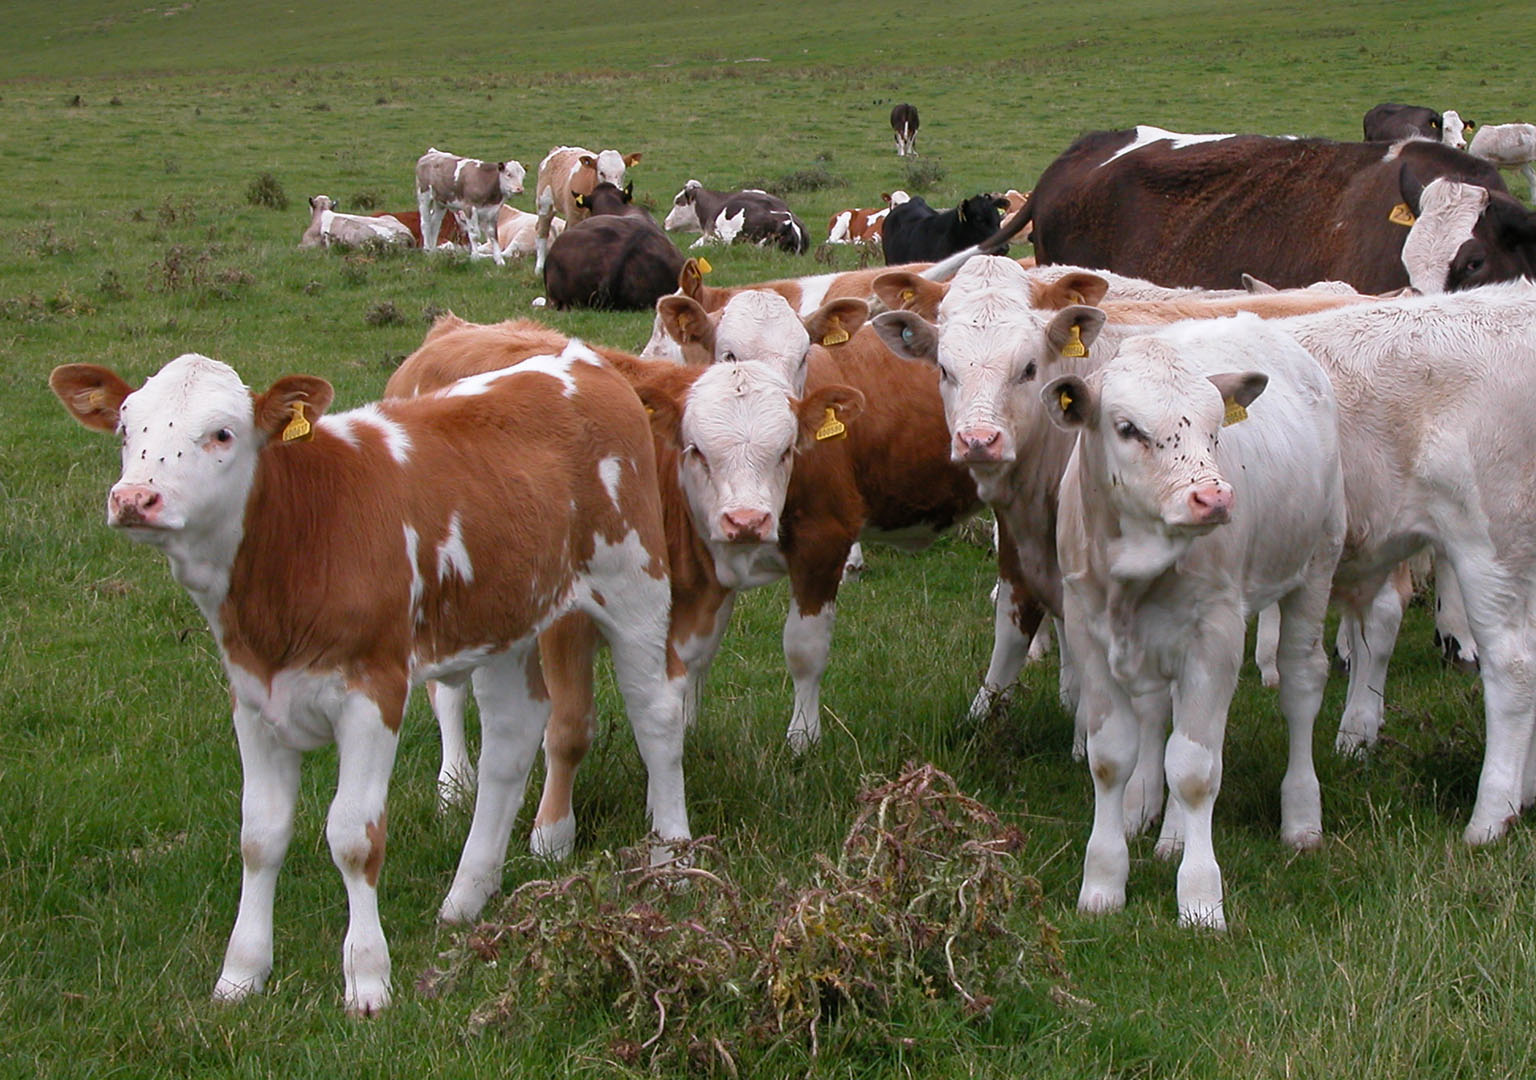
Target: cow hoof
{"points": [[554, 841], [1308, 839], [367, 1005], [1100, 901], [1478, 835], [1203, 916], [232, 989], [1352, 744]]}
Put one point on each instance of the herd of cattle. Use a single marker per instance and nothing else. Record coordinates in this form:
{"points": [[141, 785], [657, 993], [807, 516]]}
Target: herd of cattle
{"points": [[1168, 446]]}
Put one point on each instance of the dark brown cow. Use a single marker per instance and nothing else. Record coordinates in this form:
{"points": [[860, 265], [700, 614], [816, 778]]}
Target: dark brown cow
{"points": [[1202, 210], [617, 260], [904, 124]]}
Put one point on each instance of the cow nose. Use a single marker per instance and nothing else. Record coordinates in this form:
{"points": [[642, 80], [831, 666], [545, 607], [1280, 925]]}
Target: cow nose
{"points": [[740, 525], [1210, 505], [134, 504], [983, 442]]}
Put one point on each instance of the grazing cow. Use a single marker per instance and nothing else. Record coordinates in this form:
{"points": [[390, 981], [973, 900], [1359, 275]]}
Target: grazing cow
{"points": [[449, 232], [468, 186], [1202, 210], [339, 559], [1508, 146], [1391, 122], [1172, 528], [916, 232], [618, 261], [727, 216], [566, 172], [326, 227], [862, 226], [904, 124]]}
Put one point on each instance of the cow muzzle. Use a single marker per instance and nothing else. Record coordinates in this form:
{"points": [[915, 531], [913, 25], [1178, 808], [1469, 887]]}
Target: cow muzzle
{"points": [[979, 444], [132, 506], [1210, 504], [748, 526]]}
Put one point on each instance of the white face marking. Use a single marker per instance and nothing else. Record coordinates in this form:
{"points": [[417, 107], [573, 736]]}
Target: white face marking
{"points": [[610, 168], [1146, 135], [1453, 129], [813, 291], [452, 555], [349, 425], [759, 325], [1448, 211], [512, 176], [609, 470]]}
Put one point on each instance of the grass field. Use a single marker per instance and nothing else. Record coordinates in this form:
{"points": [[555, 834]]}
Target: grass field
{"points": [[134, 135]]}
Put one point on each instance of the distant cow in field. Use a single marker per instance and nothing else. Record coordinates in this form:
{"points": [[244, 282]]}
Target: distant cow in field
{"points": [[904, 124], [449, 232], [618, 260], [860, 226], [726, 216], [1183, 210], [469, 186], [326, 227], [566, 172], [915, 231], [1390, 122], [1508, 146]]}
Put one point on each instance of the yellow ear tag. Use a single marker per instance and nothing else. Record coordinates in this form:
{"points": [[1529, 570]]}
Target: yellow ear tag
{"points": [[835, 334], [704, 266], [908, 295], [298, 429], [1401, 215], [1236, 414], [831, 427], [1064, 399], [1074, 348]]}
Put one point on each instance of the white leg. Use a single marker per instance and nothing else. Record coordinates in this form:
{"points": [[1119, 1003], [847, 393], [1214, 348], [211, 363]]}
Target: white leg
{"points": [[1373, 636], [487, 215], [1010, 648], [1040, 645], [1113, 739], [1528, 170], [567, 651], [1303, 667], [355, 829], [456, 774], [1266, 642], [1453, 635], [514, 710], [269, 789], [431, 219], [807, 644], [546, 208]]}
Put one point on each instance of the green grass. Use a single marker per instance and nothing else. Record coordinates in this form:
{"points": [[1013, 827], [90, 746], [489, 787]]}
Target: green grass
{"points": [[127, 237]]}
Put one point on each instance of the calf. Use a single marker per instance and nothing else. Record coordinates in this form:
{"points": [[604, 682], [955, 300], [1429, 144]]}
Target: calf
{"points": [[339, 559], [726, 216], [566, 172], [1508, 146], [862, 226], [326, 227], [916, 232], [517, 231], [1171, 530], [468, 186], [904, 124]]}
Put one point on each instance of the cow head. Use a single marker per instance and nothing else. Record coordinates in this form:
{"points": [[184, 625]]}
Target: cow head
{"points": [[993, 351], [1150, 425], [606, 199], [510, 175], [759, 325], [1465, 235], [191, 436], [738, 429], [684, 213], [609, 166]]}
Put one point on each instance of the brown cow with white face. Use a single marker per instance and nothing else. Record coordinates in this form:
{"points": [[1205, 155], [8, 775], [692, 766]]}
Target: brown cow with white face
{"points": [[341, 558], [566, 172]]}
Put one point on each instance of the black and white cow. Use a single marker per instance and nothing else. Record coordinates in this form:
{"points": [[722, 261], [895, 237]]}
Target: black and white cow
{"points": [[904, 124], [727, 216]]}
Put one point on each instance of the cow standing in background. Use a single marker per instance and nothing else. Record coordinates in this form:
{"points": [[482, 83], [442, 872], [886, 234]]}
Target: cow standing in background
{"points": [[566, 172], [470, 187], [904, 124]]}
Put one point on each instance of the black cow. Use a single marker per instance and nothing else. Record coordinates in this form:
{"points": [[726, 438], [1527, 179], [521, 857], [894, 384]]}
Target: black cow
{"points": [[904, 124], [749, 214], [916, 232], [618, 259], [1187, 210]]}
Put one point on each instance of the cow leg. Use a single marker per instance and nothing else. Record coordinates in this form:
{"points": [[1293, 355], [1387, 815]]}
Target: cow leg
{"points": [[1016, 615], [1303, 664], [1144, 789], [1528, 170], [1372, 637], [366, 740], [1452, 634], [432, 213], [1201, 697], [698, 651], [1266, 644], [456, 774], [545, 204], [269, 790], [486, 216], [566, 653], [807, 644], [1113, 738], [514, 711], [1040, 645]]}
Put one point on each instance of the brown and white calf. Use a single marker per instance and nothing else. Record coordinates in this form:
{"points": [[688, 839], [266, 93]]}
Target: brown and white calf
{"points": [[566, 172], [470, 187], [340, 559], [326, 227], [860, 226]]}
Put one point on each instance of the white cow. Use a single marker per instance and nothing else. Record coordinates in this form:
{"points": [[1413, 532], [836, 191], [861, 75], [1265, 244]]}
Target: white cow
{"points": [[326, 227], [1509, 146], [1182, 512]]}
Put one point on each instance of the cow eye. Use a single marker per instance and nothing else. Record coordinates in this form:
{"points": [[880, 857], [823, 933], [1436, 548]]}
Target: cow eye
{"points": [[692, 451], [223, 436], [1028, 373], [1127, 430], [944, 374], [729, 357]]}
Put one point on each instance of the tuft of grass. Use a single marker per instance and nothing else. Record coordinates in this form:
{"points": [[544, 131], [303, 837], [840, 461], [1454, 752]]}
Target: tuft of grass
{"points": [[384, 313], [923, 174], [367, 200], [814, 178], [266, 190]]}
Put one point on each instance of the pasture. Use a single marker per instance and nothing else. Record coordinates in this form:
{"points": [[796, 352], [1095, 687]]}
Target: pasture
{"points": [[147, 148]]}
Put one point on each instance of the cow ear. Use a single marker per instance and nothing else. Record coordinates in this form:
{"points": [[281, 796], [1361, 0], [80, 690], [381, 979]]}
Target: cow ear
{"points": [[290, 407], [1078, 287], [665, 412], [885, 196], [1068, 402], [1238, 389], [902, 290], [826, 412], [836, 321], [1070, 333], [1257, 287], [908, 335], [1468, 125], [690, 279], [93, 394], [631, 159], [582, 201], [960, 212], [686, 322]]}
